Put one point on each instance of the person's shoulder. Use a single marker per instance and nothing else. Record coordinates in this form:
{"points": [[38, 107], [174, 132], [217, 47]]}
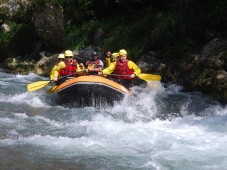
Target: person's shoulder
{"points": [[113, 63], [131, 63], [61, 63]]}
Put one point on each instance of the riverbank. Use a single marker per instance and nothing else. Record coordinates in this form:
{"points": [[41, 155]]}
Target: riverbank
{"points": [[203, 71]]}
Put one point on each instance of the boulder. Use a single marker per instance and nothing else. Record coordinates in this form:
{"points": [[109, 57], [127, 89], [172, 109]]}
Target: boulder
{"points": [[15, 8], [149, 63], [49, 25], [212, 53], [18, 65], [45, 64], [206, 70], [85, 54]]}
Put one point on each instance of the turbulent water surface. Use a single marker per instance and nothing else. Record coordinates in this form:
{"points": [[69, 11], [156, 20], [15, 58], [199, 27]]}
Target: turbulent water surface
{"points": [[162, 128]]}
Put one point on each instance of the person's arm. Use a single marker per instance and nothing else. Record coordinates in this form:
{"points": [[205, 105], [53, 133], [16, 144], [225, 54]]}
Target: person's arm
{"points": [[98, 68], [60, 66], [81, 69], [52, 72], [107, 62], [78, 69], [109, 69], [101, 65], [134, 67]]}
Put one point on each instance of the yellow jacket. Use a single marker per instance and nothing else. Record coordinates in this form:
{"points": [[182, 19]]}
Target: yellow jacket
{"points": [[62, 65], [52, 72], [131, 65], [108, 62]]}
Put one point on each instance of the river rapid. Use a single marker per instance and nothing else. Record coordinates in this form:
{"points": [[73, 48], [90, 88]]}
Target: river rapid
{"points": [[158, 129]]}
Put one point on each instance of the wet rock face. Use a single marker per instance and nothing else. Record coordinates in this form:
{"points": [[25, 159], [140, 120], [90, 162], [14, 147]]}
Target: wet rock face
{"points": [[45, 64], [149, 63], [206, 71], [13, 8], [49, 25], [213, 66], [219, 85], [84, 55], [214, 53], [18, 65], [41, 67]]}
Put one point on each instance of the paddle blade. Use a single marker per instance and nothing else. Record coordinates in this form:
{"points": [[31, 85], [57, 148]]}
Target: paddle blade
{"points": [[37, 85], [51, 90], [149, 77]]}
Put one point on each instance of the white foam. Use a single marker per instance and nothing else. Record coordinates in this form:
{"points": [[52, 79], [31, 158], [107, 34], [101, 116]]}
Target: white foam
{"points": [[129, 130]]}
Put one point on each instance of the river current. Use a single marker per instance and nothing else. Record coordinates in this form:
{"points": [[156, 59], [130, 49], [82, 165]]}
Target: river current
{"points": [[162, 128]]}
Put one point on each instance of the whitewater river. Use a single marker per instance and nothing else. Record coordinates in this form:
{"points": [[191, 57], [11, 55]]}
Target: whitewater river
{"points": [[162, 129]]}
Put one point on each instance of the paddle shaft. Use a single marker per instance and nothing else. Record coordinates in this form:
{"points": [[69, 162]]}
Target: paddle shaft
{"points": [[117, 75], [141, 76], [40, 84], [51, 90], [69, 75], [146, 77]]}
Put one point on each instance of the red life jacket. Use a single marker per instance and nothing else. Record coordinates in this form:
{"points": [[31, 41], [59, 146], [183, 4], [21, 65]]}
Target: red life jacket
{"points": [[93, 64], [123, 69], [69, 69]]}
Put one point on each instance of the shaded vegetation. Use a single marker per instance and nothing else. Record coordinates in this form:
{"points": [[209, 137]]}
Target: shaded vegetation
{"points": [[170, 28]]}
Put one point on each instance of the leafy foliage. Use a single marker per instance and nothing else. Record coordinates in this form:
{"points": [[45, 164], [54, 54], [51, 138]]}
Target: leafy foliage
{"points": [[205, 73], [78, 37], [170, 28], [19, 40]]}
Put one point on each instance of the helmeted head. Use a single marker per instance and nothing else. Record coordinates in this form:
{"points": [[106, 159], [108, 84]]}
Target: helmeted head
{"points": [[122, 55], [94, 55], [122, 52], [114, 57], [61, 56], [68, 55]]}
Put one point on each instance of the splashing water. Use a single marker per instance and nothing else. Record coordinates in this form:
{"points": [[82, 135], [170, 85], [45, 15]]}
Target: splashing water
{"points": [[161, 128]]}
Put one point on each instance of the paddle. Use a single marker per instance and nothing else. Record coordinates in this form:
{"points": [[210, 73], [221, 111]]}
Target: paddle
{"points": [[40, 84], [51, 90], [37, 85], [149, 77], [143, 76]]}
